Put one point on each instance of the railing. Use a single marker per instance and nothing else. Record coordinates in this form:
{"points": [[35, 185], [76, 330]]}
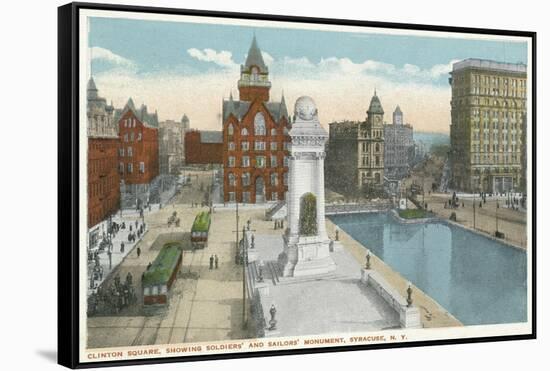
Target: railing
{"points": [[352, 208]]}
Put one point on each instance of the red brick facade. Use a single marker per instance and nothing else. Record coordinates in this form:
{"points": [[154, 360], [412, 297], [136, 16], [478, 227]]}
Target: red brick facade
{"points": [[198, 152], [244, 178], [138, 156], [103, 179]]}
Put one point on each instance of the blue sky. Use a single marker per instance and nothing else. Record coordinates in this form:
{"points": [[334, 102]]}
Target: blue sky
{"points": [[142, 49]]}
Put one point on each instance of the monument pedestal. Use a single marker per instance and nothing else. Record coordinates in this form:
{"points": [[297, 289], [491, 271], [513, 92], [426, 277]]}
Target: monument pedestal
{"points": [[306, 256]]}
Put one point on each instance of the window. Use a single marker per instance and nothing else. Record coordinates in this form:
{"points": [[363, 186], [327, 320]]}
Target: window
{"points": [[244, 131], [245, 178], [273, 161], [274, 179], [231, 146], [130, 152], [286, 145], [246, 197], [245, 146], [155, 290], [245, 161], [230, 130], [146, 291], [132, 136], [126, 137], [274, 196], [260, 161], [121, 167], [259, 124], [232, 196], [285, 161], [121, 152], [273, 132], [273, 146], [259, 146], [142, 167], [285, 179], [139, 137], [130, 168], [232, 181], [231, 161]]}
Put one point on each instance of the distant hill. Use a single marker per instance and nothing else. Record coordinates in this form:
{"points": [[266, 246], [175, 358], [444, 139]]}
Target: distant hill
{"points": [[431, 139]]}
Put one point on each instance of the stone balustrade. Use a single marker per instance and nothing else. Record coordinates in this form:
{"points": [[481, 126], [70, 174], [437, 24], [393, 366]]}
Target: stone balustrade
{"points": [[409, 316]]}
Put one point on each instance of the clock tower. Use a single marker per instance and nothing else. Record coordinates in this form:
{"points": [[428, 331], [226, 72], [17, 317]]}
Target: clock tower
{"points": [[254, 82], [371, 146]]}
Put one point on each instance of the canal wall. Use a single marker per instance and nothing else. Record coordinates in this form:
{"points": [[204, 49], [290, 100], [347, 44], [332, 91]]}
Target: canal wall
{"points": [[432, 314]]}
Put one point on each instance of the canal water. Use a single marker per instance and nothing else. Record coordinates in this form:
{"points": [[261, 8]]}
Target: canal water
{"points": [[478, 280]]}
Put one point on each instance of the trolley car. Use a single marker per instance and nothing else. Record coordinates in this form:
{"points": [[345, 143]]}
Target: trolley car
{"points": [[161, 274], [200, 229]]}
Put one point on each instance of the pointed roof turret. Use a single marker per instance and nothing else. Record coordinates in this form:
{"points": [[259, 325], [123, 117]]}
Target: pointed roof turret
{"points": [[283, 112], [375, 105], [91, 84], [254, 57], [397, 109], [130, 104]]}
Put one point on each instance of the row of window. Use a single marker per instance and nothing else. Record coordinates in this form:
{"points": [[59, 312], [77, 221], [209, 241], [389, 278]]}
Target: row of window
{"points": [[129, 152], [257, 131], [155, 290], [496, 114], [259, 127], [492, 159], [365, 147], [505, 125], [496, 137], [365, 161], [130, 168], [246, 196], [131, 137], [130, 122], [245, 179], [260, 161], [258, 146], [495, 148], [99, 188], [498, 81]]}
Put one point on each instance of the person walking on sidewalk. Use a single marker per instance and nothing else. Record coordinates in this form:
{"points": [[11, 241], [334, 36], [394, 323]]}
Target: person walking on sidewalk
{"points": [[138, 250], [211, 261], [216, 261]]}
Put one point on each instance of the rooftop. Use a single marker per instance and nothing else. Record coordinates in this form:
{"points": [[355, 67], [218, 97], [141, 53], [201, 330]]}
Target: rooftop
{"points": [[487, 64]]}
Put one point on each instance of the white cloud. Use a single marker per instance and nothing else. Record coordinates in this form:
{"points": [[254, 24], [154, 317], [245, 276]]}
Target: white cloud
{"points": [[222, 58], [106, 55], [341, 88]]}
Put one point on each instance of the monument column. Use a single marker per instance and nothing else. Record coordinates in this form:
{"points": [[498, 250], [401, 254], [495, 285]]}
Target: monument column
{"points": [[306, 251]]}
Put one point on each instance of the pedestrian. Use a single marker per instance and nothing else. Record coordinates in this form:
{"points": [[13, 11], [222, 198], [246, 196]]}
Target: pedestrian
{"points": [[138, 250], [122, 247], [211, 261], [216, 261]]}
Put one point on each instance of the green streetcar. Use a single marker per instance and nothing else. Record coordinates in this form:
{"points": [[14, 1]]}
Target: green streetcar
{"points": [[200, 229]]}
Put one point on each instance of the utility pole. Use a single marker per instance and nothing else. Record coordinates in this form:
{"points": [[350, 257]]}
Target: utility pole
{"points": [[496, 217], [474, 204]]}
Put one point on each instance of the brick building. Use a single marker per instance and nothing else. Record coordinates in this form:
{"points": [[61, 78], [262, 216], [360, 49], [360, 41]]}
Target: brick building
{"points": [[103, 178], [355, 152], [255, 137], [203, 147], [138, 153]]}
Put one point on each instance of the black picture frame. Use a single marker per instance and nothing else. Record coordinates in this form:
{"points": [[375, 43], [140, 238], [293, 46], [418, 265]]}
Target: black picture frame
{"points": [[69, 190]]}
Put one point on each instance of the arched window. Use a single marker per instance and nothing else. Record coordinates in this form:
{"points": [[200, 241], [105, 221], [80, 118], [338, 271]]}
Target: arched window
{"points": [[255, 73], [244, 131], [259, 124], [230, 129]]}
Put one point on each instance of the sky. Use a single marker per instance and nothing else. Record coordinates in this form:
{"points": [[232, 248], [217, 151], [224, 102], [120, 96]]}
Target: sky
{"points": [[183, 67]]}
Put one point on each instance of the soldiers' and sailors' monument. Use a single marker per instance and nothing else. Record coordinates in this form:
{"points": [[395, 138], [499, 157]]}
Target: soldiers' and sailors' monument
{"points": [[306, 244]]}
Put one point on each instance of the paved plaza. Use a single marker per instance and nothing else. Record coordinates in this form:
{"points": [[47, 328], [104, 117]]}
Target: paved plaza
{"points": [[333, 303], [512, 222]]}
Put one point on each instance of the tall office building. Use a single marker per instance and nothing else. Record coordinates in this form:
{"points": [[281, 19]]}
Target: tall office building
{"points": [[488, 109]]}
